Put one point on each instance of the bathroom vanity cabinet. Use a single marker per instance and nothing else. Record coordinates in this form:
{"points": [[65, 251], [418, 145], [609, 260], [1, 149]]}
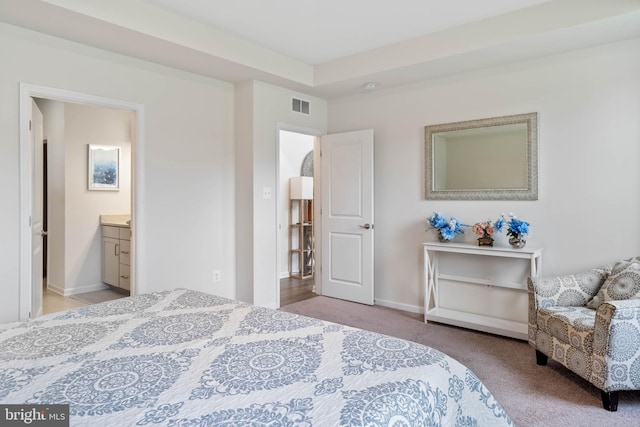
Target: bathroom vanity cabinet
{"points": [[116, 254]]}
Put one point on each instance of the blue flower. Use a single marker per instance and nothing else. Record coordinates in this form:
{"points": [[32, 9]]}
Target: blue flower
{"points": [[438, 221], [515, 228], [518, 227], [447, 228]]}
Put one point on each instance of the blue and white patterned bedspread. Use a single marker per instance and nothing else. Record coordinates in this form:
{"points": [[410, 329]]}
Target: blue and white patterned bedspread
{"points": [[186, 358]]}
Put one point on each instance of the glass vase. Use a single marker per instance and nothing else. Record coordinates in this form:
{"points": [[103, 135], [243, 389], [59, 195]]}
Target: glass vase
{"points": [[517, 242]]}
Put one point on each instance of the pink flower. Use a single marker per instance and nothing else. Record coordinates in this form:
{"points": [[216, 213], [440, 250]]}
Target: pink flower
{"points": [[482, 228]]}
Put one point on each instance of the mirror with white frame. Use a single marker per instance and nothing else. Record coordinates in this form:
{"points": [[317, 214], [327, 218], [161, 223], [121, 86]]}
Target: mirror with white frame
{"points": [[486, 159]]}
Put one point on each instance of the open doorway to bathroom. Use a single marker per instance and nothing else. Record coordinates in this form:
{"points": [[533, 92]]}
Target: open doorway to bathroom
{"points": [[295, 221], [72, 241], [31, 262]]}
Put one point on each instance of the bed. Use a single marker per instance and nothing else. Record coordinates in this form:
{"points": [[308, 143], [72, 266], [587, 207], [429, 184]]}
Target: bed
{"points": [[187, 358]]}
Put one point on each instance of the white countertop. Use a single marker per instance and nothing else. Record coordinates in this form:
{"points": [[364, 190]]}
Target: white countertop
{"points": [[116, 220]]}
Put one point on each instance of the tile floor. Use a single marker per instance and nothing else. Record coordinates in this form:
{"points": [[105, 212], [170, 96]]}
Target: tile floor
{"points": [[52, 302]]}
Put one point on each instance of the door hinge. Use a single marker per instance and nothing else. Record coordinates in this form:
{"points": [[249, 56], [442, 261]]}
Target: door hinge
{"points": [[29, 124]]}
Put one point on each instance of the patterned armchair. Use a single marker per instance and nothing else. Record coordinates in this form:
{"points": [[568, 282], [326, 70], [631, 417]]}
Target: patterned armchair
{"points": [[590, 323]]}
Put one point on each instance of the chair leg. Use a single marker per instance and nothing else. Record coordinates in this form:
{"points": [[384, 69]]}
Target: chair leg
{"points": [[541, 358], [610, 400]]}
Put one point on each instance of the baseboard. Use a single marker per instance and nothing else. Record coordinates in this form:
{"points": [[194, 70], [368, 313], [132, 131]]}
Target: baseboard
{"points": [[399, 306], [55, 289], [77, 290], [284, 275]]}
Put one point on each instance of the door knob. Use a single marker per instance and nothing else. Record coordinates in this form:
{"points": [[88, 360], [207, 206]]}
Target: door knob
{"points": [[366, 226]]}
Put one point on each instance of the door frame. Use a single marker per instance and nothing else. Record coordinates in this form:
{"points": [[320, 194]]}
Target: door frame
{"points": [[316, 206], [29, 91], [37, 165]]}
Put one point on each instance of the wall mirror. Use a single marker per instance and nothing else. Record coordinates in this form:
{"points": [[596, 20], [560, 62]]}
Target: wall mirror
{"points": [[487, 159]]}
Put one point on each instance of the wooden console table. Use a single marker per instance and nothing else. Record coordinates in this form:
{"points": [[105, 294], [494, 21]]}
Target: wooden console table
{"points": [[486, 294]]}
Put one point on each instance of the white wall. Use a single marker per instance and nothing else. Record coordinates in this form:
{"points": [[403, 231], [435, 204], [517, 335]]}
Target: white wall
{"points": [[589, 146], [244, 190], [188, 159], [263, 109], [293, 149], [589, 203]]}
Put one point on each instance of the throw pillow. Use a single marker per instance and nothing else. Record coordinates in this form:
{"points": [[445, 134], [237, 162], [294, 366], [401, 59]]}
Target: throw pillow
{"points": [[623, 283]]}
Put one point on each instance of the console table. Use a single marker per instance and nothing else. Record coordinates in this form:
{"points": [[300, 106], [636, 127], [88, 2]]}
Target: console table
{"points": [[479, 287]]}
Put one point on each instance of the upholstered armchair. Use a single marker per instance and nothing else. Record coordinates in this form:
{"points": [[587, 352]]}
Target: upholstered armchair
{"points": [[590, 323]]}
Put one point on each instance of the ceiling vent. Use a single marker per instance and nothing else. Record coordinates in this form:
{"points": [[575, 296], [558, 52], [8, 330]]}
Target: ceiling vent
{"points": [[300, 106]]}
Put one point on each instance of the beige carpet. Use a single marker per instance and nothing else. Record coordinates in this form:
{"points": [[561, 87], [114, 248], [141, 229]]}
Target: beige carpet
{"points": [[98, 296], [532, 395]]}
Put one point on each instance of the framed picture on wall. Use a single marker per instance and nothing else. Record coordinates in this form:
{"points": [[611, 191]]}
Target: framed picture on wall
{"points": [[104, 167]]}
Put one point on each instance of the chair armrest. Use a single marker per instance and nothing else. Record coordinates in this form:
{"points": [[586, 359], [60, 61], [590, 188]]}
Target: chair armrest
{"points": [[616, 345], [568, 290]]}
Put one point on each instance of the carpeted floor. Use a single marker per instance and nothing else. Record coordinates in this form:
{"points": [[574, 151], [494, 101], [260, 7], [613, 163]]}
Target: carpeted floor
{"points": [[532, 395]]}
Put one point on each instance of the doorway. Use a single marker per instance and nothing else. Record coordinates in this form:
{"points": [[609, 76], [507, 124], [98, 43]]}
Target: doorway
{"points": [[29, 92], [295, 234], [343, 225], [72, 229]]}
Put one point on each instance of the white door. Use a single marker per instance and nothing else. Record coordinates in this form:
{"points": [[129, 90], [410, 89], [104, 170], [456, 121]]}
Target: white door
{"points": [[36, 140], [347, 216]]}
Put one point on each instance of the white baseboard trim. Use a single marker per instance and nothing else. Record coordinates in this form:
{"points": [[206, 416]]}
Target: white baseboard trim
{"points": [[399, 306], [284, 275], [77, 290], [55, 289]]}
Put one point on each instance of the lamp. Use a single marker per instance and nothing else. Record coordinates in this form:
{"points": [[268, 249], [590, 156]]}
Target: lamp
{"points": [[301, 187]]}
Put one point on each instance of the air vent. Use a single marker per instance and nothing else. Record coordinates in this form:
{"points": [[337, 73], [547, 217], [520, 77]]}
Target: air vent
{"points": [[300, 106]]}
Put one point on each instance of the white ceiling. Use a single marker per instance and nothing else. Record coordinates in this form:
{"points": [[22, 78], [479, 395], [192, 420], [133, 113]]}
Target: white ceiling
{"points": [[330, 48], [316, 31]]}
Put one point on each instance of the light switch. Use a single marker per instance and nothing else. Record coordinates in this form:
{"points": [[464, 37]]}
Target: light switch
{"points": [[266, 193]]}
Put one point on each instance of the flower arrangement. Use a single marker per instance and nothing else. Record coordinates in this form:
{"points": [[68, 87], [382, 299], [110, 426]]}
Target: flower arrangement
{"points": [[483, 228], [516, 229], [447, 229]]}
